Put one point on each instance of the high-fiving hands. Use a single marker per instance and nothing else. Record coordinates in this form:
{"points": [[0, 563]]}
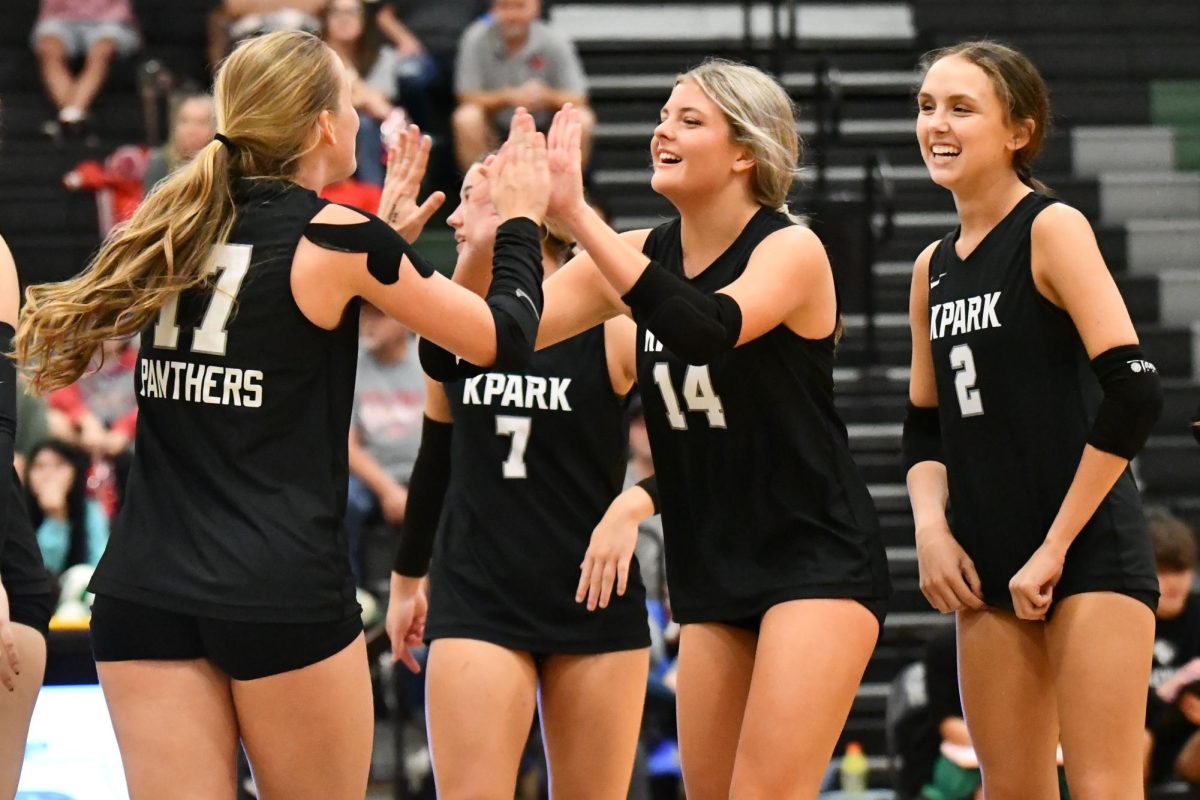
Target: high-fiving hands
{"points": [[406, 163]]}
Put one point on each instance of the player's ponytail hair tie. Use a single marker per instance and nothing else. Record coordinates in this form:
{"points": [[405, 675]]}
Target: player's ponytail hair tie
{"points": [[223, 139]]}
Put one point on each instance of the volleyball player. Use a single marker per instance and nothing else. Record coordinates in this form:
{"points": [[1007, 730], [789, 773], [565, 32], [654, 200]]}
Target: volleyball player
{"points": [[776, 570], [225, 605], [1045, 556], [25, 587], [525, 465]]}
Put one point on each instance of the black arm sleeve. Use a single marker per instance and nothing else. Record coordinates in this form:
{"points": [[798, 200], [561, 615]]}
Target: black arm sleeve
{"points": [[384, 247], [921, 439], [426, 493], [515, 300], [693, 325], [8, 428], [650, 486], [1133, 400]]}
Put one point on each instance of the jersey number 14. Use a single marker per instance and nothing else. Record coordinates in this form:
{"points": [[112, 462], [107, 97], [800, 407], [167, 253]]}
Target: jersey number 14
{"points": [[697, 392]]}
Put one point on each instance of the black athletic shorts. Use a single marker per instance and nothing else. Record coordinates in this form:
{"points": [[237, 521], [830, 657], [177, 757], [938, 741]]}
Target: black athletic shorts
{"points": [[878, 609], [125, 631], [33, 610]]}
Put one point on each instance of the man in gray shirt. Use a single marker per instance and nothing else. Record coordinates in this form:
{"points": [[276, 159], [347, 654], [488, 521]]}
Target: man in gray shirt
{"points": [[385, 426], [511, 59]]}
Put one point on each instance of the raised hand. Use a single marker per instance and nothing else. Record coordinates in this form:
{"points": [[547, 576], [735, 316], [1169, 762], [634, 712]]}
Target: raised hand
{"points": [[519, 176], [406, 163], [566, 163]]}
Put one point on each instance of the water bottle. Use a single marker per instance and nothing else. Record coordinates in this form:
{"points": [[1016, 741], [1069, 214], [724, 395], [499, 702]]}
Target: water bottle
{"points": [[854, 770]]}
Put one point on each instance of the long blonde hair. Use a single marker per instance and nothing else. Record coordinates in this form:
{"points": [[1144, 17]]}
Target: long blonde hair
{"points": [[763, 120], [269, 94]]}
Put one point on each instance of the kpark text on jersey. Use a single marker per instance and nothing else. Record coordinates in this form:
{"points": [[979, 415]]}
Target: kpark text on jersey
{"points": [[517, 391], [964, 316]]}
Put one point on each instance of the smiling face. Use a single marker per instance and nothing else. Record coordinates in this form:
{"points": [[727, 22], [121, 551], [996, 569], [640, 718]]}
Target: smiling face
{"points": [[476, 219], [963, 129], [692, 149]]}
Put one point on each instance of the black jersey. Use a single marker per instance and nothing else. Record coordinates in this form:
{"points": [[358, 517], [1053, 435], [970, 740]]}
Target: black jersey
{"points": [[1016, 396], [238, 484], [22, 570], [536, 459], [761, 502]]}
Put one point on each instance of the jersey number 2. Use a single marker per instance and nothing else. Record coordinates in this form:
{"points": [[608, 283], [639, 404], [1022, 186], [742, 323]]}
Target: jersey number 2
{"points": [[232, 261], [697, 391], [962, 361], [518, 428]]}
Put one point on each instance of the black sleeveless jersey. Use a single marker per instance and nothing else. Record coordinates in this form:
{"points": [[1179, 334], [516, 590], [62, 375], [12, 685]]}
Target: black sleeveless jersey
{"points": [[761, 502], [238, 484], [536, 459], [22, 570], [1016, 397]]}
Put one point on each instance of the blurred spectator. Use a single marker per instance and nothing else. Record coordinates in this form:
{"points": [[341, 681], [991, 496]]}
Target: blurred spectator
{"points": [[385, 429], [513, 59], [192, 128], [1173, 710], [246, 18], [373, 70], [117, 183], [67, 30], [71, 527], [426, 39], [98, 413], [101, 406], [32, 425]]}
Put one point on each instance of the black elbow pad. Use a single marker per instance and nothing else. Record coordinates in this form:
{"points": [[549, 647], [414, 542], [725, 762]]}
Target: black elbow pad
{"points": [[693, 325], [1132, 401]]}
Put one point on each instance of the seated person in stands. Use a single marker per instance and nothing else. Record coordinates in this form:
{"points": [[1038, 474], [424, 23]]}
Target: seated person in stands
{"points": [[95, 31], [100, 408], [98, 414], [426, 36], [373, 75], [235, 20], [1173, 711], [385, 427], [72, 528], [192, 127], [512, 59]]}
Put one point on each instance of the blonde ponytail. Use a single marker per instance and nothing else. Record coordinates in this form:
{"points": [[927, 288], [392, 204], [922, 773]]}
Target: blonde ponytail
{"points": [[269, 93]]}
